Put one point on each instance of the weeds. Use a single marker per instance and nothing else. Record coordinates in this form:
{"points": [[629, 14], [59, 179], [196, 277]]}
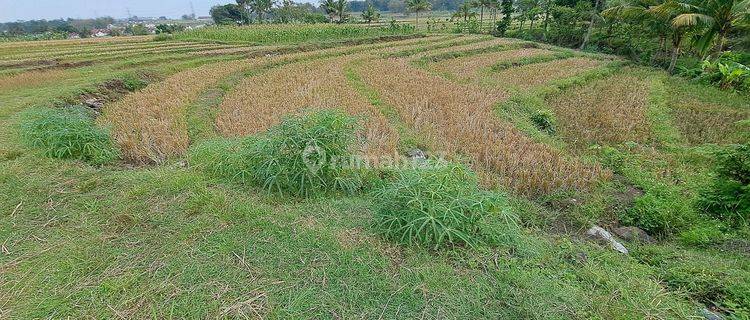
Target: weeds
{"points": [[544, 121], [728, 197], [437, 205], [67, 133], [303, 155]]}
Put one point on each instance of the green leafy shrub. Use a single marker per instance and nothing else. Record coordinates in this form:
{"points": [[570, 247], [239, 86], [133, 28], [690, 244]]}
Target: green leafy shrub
{"points": [[662, 210], [303, 155], [67, 133], [729, 71], [544, 121], [224, 158], [437, 205], [728, 197]]}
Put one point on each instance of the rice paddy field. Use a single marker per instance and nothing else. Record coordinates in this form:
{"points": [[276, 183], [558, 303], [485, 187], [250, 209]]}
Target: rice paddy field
{"points": [[159, 178]]}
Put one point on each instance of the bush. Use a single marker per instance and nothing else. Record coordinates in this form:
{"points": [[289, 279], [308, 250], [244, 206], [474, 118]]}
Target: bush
{"points": [[544, 121], [728, 197], [437, 205], [662, 210], [303, 155], [67, 133]]}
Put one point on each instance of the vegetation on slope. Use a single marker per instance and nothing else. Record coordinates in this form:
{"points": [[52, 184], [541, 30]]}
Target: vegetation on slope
{"points": [[171, 240]]}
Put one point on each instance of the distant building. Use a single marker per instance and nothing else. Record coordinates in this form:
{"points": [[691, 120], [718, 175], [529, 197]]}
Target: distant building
{"points": [[74, 35], [98, 33]]}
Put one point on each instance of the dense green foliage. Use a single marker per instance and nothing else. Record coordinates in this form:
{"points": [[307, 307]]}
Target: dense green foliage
{"points": [[67, 133], [438, 204], [728, 198], [303, 156]]}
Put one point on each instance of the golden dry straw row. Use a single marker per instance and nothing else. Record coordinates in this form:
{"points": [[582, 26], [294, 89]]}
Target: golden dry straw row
{"points": [[30, 79], [83, 49], [701, 122], [128, 52], [470, 67], [434, 41], [72, 42], [150, 125], [460, 120], [533, 75], [607, 111], [490, 42], [262, 101]]}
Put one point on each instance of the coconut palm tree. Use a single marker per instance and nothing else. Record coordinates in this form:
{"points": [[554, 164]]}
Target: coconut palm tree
{"points": [[418, 6], [464, 10], [658, 16], [594, 17], [370, 14], [329, 6], [334, 8], [715, 18], [483, 4]]}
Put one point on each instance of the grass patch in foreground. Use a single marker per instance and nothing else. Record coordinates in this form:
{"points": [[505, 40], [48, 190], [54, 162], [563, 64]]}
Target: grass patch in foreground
{"points": [[439, 204], [303, 155], [67, 133]]}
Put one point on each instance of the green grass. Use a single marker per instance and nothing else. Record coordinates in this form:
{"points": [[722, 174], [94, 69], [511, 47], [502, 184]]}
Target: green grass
{"points": [[438, 204], [67, 133], [305, 155], [274, 34], [199, 240]]}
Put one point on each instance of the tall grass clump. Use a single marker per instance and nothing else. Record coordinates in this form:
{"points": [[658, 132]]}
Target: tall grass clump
{"points": [[67, 133], [728, 197], [439, 205], [304, 155]]}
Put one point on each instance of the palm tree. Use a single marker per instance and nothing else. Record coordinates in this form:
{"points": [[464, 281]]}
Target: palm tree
{"points": [[370, 14], [464, 10], [594, 17], [483, 4], [261, 6], [716, 18], [329, 6], [658, 16], [417, 6], [245, 5]]}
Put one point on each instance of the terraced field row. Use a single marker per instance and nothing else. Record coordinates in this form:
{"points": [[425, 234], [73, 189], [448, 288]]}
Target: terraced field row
{"points": [[453, 118], [449, 99]]}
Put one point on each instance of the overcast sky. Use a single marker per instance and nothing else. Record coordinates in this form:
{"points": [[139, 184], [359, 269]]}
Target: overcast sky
{"points": [[12, 10]]}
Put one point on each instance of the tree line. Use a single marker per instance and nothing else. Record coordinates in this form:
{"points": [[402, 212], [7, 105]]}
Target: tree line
{"points": [[81, 26]]}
